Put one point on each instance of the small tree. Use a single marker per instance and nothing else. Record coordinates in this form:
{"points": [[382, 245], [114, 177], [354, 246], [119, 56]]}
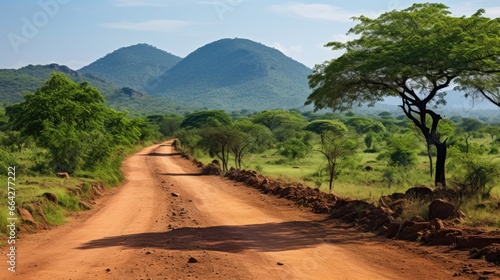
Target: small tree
{"points": [[239, 144], [217, 141], [335, 147], [474, 175]]}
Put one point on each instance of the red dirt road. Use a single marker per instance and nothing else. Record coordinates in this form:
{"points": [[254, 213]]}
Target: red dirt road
{"points": [[142, 231]]}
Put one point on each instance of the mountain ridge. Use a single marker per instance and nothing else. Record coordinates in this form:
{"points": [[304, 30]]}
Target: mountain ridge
{"points": [[132, 66], [235, 74]]}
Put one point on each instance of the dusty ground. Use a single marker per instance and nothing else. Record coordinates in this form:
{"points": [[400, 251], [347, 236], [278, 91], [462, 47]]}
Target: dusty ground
{"points": [[168, 222]]}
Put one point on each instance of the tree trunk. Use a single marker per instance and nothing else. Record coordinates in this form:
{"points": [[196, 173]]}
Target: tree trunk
{"points": [[429, 154], [332, 175], [440, 179]]}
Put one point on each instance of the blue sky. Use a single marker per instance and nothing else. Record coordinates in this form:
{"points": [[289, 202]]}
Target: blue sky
{"points": [[76, 32]]}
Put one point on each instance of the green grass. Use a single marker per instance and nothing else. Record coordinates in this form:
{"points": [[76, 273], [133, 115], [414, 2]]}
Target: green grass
{"points": [[54, 213], [481, 217], [353, 181], [29, 191]]}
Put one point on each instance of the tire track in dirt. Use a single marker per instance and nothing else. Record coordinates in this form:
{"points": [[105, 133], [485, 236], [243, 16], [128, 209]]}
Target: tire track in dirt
{"points": [[212, 228]]}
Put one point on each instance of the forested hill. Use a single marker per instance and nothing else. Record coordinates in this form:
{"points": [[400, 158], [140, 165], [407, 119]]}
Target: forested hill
{"points": [[233, 74], [132, 66], [15, 83]]}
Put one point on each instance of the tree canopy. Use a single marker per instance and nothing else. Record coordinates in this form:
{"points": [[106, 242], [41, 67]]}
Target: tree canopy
{"points": [[206, 119], [416, 54], [73, 123]]}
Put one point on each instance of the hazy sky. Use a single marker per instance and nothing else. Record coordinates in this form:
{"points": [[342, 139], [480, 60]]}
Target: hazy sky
{"points": [[77, 32]]}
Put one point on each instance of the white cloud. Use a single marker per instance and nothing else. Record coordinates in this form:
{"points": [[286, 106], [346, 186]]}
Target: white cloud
{"points": [[138, 3], [288, 51], [76, 64], [469, 8], [314, 11], [160, 25], [492, 12]]}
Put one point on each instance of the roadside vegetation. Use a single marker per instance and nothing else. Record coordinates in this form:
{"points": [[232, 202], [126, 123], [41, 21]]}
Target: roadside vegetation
{"points": [[65, 128]]}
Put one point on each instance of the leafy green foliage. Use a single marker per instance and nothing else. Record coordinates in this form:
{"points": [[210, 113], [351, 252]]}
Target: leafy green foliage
{"points": [[71, 121], [364, 125], [322, 126], [415, 54], [206, 119], [295, 148], [475, 175], [336, 147]]}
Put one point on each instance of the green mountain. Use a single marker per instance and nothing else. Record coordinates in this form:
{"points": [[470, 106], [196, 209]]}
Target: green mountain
{"points": [[15, 83], [235, 74], [132, 66]]}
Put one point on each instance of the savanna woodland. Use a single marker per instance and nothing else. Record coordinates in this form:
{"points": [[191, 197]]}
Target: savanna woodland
{"points": [[419, 54]]}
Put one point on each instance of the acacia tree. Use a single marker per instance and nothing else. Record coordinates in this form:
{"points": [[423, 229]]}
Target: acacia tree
{"points": [[336, 143], [416, 54], [335, 146]]}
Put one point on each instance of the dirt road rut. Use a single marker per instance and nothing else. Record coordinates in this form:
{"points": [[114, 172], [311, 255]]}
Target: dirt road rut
{"points": [[169, 222]]}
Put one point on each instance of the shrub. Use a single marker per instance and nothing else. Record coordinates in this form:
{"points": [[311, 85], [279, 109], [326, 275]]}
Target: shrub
{"points": [[474, 175]]}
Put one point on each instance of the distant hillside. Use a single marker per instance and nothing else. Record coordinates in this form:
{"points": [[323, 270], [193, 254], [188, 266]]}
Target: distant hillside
{"points": [[234, 74], [14, 84], [140, 103], [132, 66]]}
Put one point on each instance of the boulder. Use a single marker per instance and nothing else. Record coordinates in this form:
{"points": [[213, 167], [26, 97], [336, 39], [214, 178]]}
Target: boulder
{"points": [[51, 197], [442, 209], [393, 229], [419, 192], [211, 169], [412, 230], [476, 241], [63, 175], [491, 253], [26, 216]]}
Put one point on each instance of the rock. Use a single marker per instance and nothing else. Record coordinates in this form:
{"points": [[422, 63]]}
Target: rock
{"points": [[419, 192], [26, 216], [63, 175], [175, 194], [393, 230], [192, 260], [280, 263], [417, 219], [412, 230], [476, 241], [490, 253], [436, 224], [369, 168], [442, 210], [212, 169], [51, 197], [84, 205]]}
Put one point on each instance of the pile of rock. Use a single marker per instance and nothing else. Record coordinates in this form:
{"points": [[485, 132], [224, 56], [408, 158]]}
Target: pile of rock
{"points": [[384, 217], [318, 201]]}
